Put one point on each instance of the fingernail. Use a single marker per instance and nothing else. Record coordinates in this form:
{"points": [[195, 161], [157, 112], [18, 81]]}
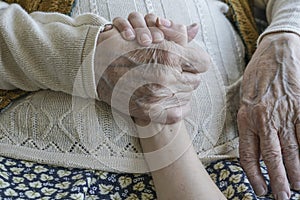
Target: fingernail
{"points": [[260, 190], [145, 39], [157, 37], [129, 35], [282, 196], [295, 186], [194, 24], [164, 22]]}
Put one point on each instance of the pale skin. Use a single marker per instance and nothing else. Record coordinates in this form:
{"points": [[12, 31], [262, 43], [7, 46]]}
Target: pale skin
{"points": [[183, 77], [269, 115], [184, 173]]}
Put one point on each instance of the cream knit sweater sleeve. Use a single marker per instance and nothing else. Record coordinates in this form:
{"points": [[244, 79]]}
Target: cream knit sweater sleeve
{"points": [[47, 51], [282, 15]]}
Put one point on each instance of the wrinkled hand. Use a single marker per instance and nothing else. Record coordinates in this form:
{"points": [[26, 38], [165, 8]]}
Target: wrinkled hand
{"points": [[159, 79], [268, 119]]}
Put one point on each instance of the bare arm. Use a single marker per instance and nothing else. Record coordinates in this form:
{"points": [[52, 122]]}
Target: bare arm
{"points": [[175, 167]]}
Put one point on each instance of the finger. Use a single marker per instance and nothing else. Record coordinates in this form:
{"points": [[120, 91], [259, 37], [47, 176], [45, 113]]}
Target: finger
{"points": [[185, 82], [106, 35], [190, 79], [173, 32], [192, 31], [290, 153], [296, 185], [143, 34], [150, 20], [271, 152], [182, 59], [156, 33], [250, 153], [195, 60], [298, 132], [188, 59], [178, 113], [124, 27], [107, 27]]}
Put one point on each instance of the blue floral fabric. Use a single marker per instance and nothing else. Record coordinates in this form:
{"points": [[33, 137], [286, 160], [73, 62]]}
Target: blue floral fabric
{"points": [[233, 182], [27, 180]]}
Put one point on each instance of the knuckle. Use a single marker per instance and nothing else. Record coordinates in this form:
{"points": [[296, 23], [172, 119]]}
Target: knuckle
{"points": [[246, 158], [156, 30], [135, 15], [259, 109], [203, 61], [196, 82], [174, 117], [116, 20], [181, 27], [259, 114], [272, 157], [279, 180], [121, 24], [150, 16], [162, 56], [207, 62], [250, 167], [252, 174], [290, 152], [242, 114]]}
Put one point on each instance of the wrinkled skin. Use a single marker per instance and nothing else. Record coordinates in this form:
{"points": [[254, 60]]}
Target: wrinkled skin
{"points": [[268, 118], [167, 101]]}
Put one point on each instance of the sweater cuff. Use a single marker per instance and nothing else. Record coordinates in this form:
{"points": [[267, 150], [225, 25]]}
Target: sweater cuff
{"points": [[85, 84], [283, 16]]}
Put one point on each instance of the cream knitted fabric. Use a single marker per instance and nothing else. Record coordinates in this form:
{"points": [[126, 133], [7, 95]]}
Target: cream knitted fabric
{"points": [[56, 128]]}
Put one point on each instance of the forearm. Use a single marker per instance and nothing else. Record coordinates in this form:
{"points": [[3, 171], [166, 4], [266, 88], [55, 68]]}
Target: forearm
{"points": [[176, 169], [47, 51], [282, 16]]}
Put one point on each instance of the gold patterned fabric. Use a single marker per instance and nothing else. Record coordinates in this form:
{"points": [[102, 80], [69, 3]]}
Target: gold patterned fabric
{"points": [[241, 15], [7, 96], [61, 6]]}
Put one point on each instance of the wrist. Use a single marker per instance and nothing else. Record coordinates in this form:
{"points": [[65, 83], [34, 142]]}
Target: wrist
{"points": [[283, 35], [165, 147]]}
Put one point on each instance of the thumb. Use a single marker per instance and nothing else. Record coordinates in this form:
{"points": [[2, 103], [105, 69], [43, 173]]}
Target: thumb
{"points": [[177, 32], [192, 31], [173, 32]]}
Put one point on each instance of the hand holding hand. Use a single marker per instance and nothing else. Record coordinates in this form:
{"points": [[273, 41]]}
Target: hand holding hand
{"points": [[170, 74], [152, 29]]}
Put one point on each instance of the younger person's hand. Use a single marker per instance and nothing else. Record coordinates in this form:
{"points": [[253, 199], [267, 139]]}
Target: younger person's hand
{"points": [[152, 29], [169, 73]]}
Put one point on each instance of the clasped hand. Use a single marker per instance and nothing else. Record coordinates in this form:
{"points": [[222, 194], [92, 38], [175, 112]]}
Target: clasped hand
{"points": [[157, 79]]}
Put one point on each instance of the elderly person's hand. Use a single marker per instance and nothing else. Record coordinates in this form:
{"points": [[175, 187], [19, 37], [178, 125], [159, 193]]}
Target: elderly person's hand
{"points": [[268, 119], [159, 79]]}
